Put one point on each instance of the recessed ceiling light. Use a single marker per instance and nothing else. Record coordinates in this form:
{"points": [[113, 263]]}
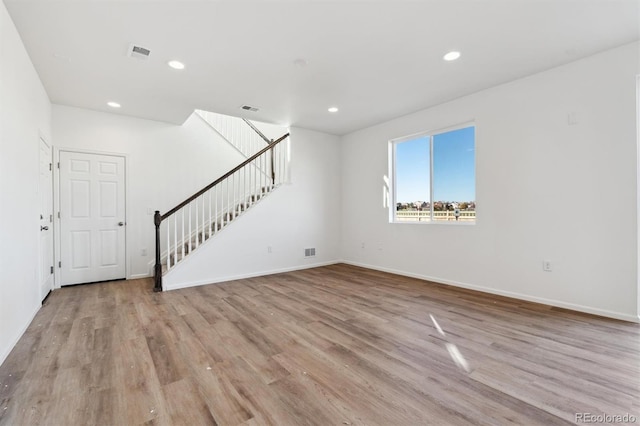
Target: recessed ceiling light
{"points": [[451, 56], [333, 109], [113, 104], [176, 65]]}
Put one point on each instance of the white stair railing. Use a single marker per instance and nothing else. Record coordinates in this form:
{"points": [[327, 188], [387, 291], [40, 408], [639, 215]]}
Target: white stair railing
{"points": [[240, 133], [200, 217]]}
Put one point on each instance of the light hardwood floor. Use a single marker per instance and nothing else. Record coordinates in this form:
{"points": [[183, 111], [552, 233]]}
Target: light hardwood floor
{"points": [[337, 345]]}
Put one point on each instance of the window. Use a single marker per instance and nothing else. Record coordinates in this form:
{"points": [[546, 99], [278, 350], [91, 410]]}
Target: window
{"points": [[435, 177]]}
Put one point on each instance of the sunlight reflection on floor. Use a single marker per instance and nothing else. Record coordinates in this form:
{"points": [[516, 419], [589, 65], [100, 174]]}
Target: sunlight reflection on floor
{"points": [[454, 352]]}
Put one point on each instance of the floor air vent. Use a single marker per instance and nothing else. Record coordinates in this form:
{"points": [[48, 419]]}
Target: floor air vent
{"points": [[309, 252]]}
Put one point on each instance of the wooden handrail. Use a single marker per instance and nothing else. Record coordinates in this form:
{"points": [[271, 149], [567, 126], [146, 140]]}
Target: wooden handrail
{"points": [[255, 129], [158, 218], [223, 177]]}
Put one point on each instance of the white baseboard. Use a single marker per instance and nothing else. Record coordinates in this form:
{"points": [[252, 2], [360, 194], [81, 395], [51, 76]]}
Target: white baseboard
{"points": [[138, 276], [6, 351], [550, 302], [251, 275]]}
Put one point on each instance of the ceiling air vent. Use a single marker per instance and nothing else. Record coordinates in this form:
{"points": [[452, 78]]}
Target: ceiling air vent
{"points": [[138, 52], [249, 108]]}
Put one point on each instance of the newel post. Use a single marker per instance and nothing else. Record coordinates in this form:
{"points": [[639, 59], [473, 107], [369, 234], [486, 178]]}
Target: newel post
{"points": [[273, 170], [157, 220]]}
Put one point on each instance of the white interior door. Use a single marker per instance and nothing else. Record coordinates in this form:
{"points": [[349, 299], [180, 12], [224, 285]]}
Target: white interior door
{"points": [[92, 218], [45, 190]]}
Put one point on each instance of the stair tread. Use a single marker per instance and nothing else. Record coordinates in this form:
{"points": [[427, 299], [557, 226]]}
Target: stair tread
{"points": [[216, 226]]}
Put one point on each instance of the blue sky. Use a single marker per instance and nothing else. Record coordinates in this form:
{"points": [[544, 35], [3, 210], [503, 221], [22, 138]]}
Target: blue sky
{"points": [[453, 167]]}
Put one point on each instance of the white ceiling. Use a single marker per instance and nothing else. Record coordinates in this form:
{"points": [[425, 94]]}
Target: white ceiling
{"points": [[375, 60]]}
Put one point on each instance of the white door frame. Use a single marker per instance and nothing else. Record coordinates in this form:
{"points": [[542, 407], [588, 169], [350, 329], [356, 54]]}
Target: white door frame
{"points": [[56, 206], [638, 196], [44, 139]]}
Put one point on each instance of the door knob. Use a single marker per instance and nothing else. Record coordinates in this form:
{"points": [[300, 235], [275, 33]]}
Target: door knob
{"points": [[120, 223], [44, 228]]}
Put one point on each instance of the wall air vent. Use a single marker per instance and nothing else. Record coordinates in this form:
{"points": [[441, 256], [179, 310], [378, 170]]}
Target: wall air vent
{"points": [[138, 52], [309, 252], [249, 108]]}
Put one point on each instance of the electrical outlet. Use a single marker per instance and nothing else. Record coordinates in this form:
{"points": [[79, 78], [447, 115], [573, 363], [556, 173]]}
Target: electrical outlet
{"points": [[269, 249], [362, 245], [143, 252], [546, 266]]}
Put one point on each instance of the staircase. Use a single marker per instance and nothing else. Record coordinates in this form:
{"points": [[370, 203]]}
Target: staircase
{"points": [[209, 230], [184, 228], [239, 132]]}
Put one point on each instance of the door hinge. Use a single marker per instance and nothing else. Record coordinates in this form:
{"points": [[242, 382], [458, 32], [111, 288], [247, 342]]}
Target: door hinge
{"points": [[50, 218], [59, 264], [52, 269], [58, 164], [58, 215], [50, 168]]}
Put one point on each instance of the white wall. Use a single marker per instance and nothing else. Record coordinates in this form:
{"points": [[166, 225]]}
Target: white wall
{"points": [[528, 158], [545, 190], [25, 115], [165, 164], [299, 215]]}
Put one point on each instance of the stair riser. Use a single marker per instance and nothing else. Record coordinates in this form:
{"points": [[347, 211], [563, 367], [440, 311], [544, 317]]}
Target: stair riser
{"points": [[215, 227]]}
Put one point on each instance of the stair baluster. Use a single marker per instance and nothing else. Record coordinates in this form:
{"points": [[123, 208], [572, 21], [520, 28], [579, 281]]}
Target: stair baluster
{"points": [[228, 197]]}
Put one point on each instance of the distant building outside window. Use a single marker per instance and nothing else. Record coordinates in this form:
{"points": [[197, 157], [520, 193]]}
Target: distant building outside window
{"points": [[434, 176]]}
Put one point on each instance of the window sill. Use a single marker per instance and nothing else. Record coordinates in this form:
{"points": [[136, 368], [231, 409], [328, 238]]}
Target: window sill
{"points": [[435, 222]]}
